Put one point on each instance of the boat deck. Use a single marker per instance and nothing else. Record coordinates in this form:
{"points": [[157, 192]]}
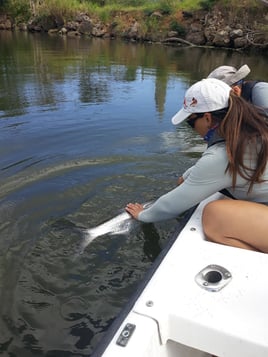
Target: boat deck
{"points": [[222, 311]]}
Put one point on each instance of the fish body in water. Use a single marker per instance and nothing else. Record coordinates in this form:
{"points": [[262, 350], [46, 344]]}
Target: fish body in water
{"points": [[121, 224], [117, 225]]}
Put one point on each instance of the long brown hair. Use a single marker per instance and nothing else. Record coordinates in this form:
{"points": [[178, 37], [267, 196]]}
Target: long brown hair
{"points": [[244, 125]]}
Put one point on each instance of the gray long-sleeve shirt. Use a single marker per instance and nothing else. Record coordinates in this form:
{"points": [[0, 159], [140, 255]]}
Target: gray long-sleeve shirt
{"points": [[203, 179], [260, 95]]}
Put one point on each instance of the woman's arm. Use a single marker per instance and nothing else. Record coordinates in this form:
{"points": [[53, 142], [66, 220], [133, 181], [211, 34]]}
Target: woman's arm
{"points": [[260, 95], [207, 176]]}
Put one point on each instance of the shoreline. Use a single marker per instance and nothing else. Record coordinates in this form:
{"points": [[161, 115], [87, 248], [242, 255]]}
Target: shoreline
{"points": [[221, 27]]}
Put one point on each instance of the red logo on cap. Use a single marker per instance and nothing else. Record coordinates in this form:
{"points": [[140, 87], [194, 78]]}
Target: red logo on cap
{"points": [[193, 102]]}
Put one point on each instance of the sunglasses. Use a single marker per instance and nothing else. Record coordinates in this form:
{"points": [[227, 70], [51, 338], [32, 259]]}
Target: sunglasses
{"points": [[192, 119]]}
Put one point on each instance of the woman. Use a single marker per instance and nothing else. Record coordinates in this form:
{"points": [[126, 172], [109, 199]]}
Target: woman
{"points": [[256, 92], [236, 160]]}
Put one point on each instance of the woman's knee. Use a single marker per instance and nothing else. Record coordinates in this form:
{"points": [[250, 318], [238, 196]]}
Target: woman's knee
{"points": [[211, 218], [209, 211]]}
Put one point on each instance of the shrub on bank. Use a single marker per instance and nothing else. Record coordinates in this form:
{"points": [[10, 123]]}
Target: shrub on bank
{"points": [[23, 10]]}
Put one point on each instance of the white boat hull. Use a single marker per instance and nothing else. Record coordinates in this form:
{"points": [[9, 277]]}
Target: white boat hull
{"points": [[224, 314]]}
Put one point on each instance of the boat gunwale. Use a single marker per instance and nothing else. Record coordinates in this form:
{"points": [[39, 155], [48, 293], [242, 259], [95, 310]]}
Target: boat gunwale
{"points": [[113, 328]]}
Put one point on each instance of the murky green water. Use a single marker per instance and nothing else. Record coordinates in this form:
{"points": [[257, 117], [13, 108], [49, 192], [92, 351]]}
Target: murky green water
{"points": [[85, 128]]}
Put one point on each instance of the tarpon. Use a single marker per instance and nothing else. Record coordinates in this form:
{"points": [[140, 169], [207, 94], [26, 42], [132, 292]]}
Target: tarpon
{"points": [[121, 224]]}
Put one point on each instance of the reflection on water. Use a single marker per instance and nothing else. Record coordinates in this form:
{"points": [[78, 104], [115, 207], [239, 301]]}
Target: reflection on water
{"points": [[85, 128], [47, 71]]}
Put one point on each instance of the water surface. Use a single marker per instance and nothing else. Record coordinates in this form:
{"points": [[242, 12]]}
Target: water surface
{"points": [[85, 128]]}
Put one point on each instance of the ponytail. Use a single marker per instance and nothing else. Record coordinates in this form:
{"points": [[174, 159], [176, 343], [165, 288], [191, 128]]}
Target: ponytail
{"points": [[244, 125]]}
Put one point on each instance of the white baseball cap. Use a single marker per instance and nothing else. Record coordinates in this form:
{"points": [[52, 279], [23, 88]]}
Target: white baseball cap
{"points": [[230, 75], [205, 96]]}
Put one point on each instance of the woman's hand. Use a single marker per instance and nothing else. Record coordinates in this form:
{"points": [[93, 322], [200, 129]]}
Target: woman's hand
{"points": [[134, 209], [180, 180]]}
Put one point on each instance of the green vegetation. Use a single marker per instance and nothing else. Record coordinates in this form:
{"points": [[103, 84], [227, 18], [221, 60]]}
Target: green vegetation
{"points": [[23, 10], [176, 26], [18, 9], [207, 4]]}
